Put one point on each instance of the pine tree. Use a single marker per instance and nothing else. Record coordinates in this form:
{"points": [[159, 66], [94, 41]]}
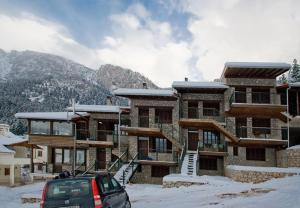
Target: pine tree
{"points": [[282, 79], [295, 72]]}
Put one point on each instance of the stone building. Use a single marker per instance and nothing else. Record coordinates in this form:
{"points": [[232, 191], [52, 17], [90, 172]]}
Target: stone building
{"points": [[194, 128]]}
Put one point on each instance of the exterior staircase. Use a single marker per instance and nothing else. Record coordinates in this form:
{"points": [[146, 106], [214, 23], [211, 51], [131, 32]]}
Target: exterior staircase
{"points": [[125, 173], [189, 164]]}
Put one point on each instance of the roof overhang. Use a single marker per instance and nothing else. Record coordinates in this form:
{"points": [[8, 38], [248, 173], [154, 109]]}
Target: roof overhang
{"points": [[265, 70], [157, 162], [167, 94], [262, 142], [56, 116], [142, 131]]}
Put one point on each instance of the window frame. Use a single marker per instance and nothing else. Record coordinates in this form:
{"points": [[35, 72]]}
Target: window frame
{"points": [[159, 172], [255, 154], [164, 115]]}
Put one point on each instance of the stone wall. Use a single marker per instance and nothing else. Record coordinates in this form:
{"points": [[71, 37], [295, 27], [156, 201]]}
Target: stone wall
{"points": [[250, 82], [144, 176], [257, 176], [288, 158], [240, 159]]}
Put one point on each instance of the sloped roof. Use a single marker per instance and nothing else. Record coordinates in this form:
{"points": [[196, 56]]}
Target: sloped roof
{"points": [[98, 108], [8, 138], [198, 85], [144, 92], [63, 116]]}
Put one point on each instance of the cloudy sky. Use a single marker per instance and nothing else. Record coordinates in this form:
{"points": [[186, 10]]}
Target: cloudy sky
{"points": [[165, 40]]}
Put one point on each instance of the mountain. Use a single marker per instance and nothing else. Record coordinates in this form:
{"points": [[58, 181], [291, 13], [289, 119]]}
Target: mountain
{"points": [[111, 76], [33, 81]]}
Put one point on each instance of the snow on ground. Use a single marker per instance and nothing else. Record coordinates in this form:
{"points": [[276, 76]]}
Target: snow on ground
{"points": [[219, 192]]}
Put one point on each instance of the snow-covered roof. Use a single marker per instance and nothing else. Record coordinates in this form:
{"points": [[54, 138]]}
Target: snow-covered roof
{"points": [[267, 70], [270, 65], [64, 116], [7, 138], [144, 92], [98, 108], [198, 85], [294, 147]]}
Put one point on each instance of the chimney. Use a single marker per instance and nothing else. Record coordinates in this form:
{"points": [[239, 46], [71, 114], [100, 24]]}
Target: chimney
{"points": [[108, 100], [4, 128], [145, 85], [186, 79]]}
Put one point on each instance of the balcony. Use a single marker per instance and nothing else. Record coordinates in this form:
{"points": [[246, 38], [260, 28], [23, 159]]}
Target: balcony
{"points": [[262, 133], [193, 112], [143, 121], [260, 105]]}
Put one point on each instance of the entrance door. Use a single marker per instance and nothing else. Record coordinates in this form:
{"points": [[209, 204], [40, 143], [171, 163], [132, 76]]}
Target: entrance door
{"points": [[101, 158], [57, 159], [193, 139], [143, 148]]}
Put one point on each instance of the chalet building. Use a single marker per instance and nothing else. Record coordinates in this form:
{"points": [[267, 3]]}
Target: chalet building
{"points": [[90, 131], [194, 128]]}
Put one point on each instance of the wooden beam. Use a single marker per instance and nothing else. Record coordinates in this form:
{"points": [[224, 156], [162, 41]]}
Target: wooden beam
{"points": [[157, 162]]}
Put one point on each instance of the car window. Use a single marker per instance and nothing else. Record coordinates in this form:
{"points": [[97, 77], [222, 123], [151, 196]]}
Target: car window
{"points": [[115, 184], [63, 189], [105, 184]]}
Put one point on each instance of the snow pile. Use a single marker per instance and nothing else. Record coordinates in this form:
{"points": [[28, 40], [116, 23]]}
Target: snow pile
{"points": [[294, 147], [264, 169]]}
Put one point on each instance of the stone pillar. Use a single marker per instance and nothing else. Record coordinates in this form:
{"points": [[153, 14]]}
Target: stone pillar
{"points": [[230, 124], [222, 107], [134, 116], [91, 156], [249, 95], [274, 97], [200, 109], [275, 129], [108, 157], [132, 141], [185, 109], [249, 128], [12, 175], [152, 117]]}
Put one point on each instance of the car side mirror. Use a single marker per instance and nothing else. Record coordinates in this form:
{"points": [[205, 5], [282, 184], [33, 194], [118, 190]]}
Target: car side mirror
{"points": [[124, 187]]}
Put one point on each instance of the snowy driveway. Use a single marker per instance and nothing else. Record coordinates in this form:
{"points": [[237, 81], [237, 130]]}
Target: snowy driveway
{"points": [[219, 192]]}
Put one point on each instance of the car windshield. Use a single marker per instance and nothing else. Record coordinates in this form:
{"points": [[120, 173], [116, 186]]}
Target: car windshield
{"points": [[63, 189]]}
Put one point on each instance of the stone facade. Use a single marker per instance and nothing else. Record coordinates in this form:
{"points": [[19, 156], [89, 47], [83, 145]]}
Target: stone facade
{"points": [[144, 176], [288, 158], [240, 159], [218, 172]]}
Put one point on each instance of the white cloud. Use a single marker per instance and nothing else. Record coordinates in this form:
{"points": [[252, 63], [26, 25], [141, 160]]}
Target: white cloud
{"points": [[31, 33], [146, 46], [242, 30]]}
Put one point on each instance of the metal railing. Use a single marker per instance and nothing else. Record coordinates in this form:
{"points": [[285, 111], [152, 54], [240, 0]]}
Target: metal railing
{"points": [[118, 163], [132, 165], [261, 97], [262, 132], [211, 112], [212, 147], [82, 134], [181, 157], [256, 97], [78, 169]]}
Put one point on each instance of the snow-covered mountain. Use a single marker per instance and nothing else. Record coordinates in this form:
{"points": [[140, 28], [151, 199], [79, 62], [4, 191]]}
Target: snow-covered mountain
{"points": [[33, 81], [111, 75]]}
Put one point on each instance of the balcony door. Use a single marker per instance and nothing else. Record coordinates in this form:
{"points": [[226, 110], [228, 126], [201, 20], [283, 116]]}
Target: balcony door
{"points": [[193, 139], [143, 148], [101, 158], [144, 117]]}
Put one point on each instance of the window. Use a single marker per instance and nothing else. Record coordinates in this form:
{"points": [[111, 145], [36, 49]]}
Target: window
{"points": [[261, 127], [193, 109], [40, 127], [105, 185], [80, 156], [66, 156], [260, 95], [58, 155], [40, 153], [40, 167], [161, 145], [115, 184], [235, 151], [208, 163], [256, 154], [6, 171], [241, 127], [240, 95], [62, 128], [163, 116], [160, 171], [211, 137], [211, 108], [143, 117]]}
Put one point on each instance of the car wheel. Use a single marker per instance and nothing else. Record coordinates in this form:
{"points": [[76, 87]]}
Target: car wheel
{"points": [[127, 204]]}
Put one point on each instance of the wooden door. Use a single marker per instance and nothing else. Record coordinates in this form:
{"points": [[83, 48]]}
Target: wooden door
{"points": [[193, 139], [101, 158], [143, 148]]}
